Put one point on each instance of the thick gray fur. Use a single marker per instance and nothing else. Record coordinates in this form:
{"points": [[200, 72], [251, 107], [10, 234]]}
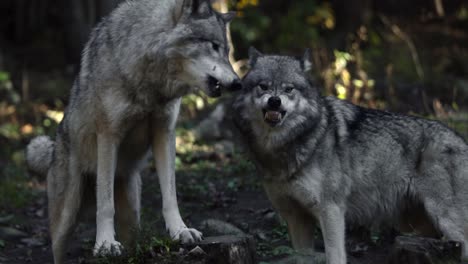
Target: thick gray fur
{"points": [[328, 160], [138, 63]]}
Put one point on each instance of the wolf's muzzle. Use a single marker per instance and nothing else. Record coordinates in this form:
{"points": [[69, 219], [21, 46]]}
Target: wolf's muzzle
{"points": [[236, 85], [215, 86]]}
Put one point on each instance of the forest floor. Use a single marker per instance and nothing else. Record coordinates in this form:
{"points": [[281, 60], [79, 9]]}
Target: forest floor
{"points": [[211, 184]]}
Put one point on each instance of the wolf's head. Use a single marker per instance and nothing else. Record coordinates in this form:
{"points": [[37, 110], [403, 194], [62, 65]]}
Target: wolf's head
{"points": [[278, 98], [202, 48]]}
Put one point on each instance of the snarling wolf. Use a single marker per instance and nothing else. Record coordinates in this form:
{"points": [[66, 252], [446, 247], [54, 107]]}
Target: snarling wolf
{"points": [[329, 162], [138, 63]]}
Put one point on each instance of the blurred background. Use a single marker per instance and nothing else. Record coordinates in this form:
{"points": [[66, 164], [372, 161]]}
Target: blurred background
{"points": [[404, 56]]}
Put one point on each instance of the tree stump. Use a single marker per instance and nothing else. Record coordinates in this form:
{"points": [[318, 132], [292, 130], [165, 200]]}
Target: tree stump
{"points": [[419, 250], [227, 249]]}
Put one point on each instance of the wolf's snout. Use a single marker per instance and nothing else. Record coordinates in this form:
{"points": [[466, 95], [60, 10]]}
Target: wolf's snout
{"points": [[274, 102], [272, 113], [236, 85], [214, 87]]}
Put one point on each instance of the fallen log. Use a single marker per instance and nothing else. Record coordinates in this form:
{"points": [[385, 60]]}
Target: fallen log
{"points": [[420, 250]]}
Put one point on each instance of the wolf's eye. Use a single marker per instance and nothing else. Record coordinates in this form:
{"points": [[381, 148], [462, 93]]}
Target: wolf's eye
{"points": [[215, 46], [264, 87], [289, 89]]}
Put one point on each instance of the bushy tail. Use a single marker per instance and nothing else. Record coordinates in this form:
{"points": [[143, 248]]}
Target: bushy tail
{"points": [[39, 155]]}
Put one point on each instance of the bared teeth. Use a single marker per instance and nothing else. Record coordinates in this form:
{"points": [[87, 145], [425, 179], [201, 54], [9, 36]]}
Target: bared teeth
{"points": [[273, 116]]}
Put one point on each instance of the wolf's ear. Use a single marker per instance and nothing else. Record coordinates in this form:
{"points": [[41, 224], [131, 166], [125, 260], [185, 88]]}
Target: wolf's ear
{"points": [[195, 7], [202, 7], [227, 17], [253, 56], [186, 9], [306, 64]]}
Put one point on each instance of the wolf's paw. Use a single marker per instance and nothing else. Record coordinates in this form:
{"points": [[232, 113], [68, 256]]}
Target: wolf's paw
{"points": [[187, 235], [107, 248]]}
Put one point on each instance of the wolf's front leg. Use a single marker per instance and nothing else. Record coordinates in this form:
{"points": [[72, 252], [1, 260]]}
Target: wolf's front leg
{"points": [[301, 223], [332, 222], [106, 164], [164, 155]]}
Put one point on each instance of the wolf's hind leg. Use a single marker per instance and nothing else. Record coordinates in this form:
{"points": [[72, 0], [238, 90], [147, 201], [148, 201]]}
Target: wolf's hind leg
{"points": [[448, 220], [127, 202], [443, 204], [442, 208], [64, 204]]}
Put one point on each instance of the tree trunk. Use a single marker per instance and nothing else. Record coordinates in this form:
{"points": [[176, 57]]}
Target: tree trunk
{"points": [[230, 249]]}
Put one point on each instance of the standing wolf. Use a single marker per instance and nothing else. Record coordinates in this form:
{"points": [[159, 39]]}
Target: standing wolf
{"points": [[325, 160], [138, 63]]}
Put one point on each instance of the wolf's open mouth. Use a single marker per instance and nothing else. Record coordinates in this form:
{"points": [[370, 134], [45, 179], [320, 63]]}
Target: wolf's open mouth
{"points": [[214, 87], [273, 117]]}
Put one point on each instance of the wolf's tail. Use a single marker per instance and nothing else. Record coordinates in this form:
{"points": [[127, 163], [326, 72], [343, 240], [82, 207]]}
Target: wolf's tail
{"points": [[39, 155]]}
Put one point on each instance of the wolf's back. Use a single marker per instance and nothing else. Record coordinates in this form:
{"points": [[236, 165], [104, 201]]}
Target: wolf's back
{"points": [[39, 155]]}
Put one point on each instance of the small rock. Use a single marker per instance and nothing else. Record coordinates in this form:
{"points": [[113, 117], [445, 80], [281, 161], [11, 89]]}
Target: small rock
{"points": [[358, 249], [270, 216], [244, 226], [215, 227], [5, 219], [265, 211], [40, 213], [261, 235], [11, 233], [181, 250], [197, 251], [225, 147], [33, 242], [316, 258]]}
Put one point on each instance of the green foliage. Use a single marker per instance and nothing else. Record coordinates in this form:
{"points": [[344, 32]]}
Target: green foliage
{"points": [[149, 246], [6, 88], [10, 131], [14, 188], [282, 250], [192, 104], [275, 26]]}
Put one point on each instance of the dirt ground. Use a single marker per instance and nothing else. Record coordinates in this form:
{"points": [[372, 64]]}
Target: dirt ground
{"points": [[209, 185]]}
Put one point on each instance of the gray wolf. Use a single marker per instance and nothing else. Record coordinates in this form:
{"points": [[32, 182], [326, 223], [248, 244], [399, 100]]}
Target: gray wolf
{"points": [[328, 162], [138, 63]]}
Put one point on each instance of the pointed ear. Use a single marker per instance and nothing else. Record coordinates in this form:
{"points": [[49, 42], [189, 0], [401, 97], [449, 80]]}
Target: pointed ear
{"points": [[253, 56], [195, 7], [227, 17], [306, 64], [202, 7], [186, 9]]}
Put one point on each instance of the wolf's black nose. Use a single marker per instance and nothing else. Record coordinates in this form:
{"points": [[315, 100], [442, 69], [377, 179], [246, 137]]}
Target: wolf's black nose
{"points": [[236, 85], [274, 102]]}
